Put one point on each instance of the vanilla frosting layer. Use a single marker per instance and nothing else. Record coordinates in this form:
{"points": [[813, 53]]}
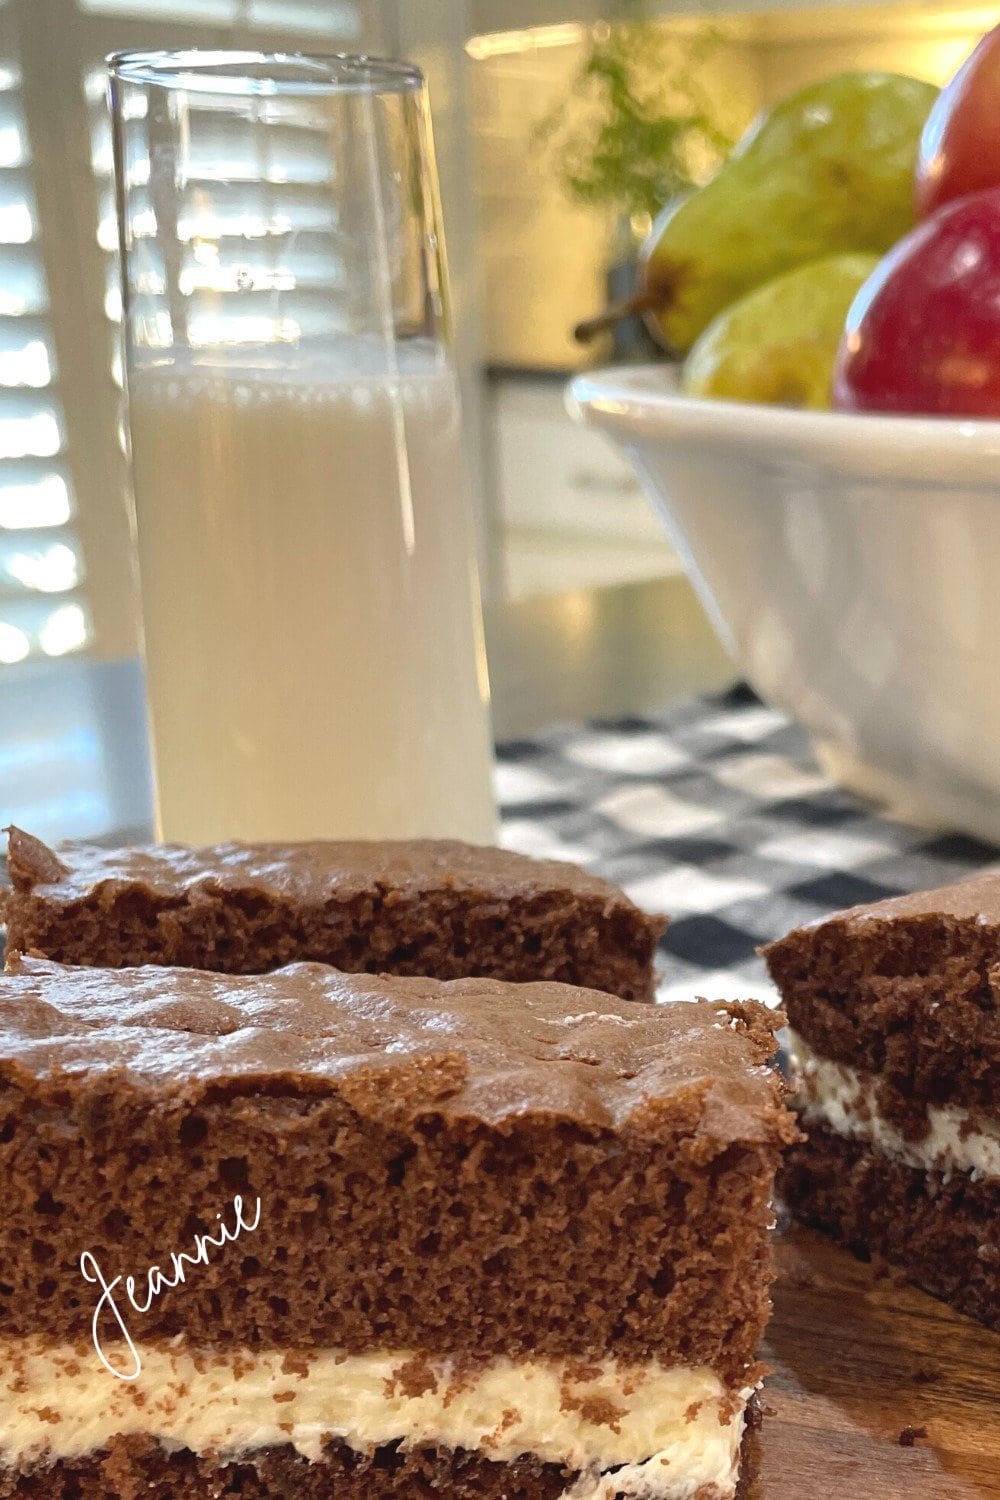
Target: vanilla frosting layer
{"points": [[846, 1100], [674, 1430]]}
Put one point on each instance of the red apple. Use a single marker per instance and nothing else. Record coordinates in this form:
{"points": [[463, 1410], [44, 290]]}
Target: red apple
{"points": [[960, 146], [923, 333]]}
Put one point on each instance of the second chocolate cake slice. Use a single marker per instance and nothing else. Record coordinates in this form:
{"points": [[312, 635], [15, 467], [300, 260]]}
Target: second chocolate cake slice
{"points": [[422, 907], [311, 1234], [895, 1049]]}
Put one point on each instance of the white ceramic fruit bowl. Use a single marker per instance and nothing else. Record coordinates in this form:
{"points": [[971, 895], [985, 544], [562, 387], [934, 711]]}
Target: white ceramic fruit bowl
{"points": [[851, 564]]}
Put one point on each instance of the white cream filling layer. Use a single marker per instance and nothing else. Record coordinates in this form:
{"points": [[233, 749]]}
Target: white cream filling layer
{"points": [[674, 1430], [845, 1099]]}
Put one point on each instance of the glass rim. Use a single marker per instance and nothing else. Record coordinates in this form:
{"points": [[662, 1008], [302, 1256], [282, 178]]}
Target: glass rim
{"points": [[209, 71]]}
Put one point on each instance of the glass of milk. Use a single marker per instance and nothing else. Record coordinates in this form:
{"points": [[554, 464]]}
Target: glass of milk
{"points": [[313, 641]]}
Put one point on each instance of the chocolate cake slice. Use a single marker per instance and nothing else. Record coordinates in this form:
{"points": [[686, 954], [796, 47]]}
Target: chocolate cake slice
{"points": [[427, 907], [311, 1234], [895, 1047]]}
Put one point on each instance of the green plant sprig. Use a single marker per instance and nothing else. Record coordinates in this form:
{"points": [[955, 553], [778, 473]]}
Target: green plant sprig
{"points": [[646, 120]]}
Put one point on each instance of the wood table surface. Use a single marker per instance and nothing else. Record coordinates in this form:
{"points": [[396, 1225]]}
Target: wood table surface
{"points": [[858, 1357]]}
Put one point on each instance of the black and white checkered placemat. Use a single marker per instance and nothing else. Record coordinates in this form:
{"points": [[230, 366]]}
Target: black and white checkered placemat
{"points": [[717, 813]]}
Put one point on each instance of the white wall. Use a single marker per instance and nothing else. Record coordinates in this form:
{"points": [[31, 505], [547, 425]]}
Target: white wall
{"points": [[929, 41], [543, 257]]}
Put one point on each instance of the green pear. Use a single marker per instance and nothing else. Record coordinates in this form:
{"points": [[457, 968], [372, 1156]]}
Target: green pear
{"points": [[778, 343], [828, 170]]}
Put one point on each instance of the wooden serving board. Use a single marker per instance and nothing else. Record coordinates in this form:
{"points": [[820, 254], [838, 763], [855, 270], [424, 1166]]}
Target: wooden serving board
{"points": [[857, 1359]]}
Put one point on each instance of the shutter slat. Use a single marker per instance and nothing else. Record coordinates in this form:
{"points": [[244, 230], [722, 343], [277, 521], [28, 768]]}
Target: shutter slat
{"points": [[42, 609]]}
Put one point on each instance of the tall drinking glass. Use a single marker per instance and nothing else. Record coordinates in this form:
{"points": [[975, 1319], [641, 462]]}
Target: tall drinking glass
{"points": [[313, 641]]}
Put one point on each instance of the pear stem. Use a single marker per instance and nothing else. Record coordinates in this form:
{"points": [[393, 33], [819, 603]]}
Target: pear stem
{"points": [[591, 327]]}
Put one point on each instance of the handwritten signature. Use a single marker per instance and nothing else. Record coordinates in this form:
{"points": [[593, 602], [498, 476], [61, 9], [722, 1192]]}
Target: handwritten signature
{"points": [[157, 1282]]}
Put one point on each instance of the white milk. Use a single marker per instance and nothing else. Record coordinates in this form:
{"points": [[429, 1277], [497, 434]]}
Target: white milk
{"points": [[314, 650]]}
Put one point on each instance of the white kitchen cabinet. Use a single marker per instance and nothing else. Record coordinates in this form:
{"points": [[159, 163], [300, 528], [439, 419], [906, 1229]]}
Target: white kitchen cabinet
{"points": [[571, 513]]}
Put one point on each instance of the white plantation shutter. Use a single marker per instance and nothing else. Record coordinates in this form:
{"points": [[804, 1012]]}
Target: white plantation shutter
{"points": [[72, 754], [43, 607], [229, 242]]}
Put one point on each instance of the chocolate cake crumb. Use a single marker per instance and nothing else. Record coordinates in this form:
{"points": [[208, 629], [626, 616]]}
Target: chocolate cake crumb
{"points": [[421, 907], [508, 1418], [423, 1165], [756, 1412], [130, 1470], [906, 990], [905, 994], [458, 1127], [932, 1227], [415, 1377], [598, 1411], [137, 1469]]}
